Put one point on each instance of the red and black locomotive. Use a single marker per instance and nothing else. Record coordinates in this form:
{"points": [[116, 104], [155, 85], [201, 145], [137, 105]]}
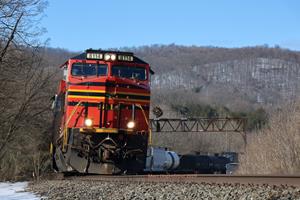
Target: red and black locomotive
{"points": [[101, 110]]}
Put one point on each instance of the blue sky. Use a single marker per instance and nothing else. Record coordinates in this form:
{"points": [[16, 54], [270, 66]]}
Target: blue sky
{"points": [[78, 25]]}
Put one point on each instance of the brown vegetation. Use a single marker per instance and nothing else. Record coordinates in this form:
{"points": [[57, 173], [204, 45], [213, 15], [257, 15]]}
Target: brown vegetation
{"points": [[276, 148], [24, 86]]}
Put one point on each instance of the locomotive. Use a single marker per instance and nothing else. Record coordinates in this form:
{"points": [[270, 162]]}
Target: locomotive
{"points": [[101, 114]]}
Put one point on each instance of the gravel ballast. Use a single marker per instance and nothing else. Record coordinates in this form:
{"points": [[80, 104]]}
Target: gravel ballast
{"points": [[78, 189]]}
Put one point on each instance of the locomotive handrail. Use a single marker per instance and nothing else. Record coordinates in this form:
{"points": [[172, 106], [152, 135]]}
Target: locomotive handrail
{"points": [[147, 122], [66, 125]]}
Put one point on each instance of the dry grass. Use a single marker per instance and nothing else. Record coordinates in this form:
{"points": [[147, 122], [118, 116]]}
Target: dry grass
{"points": [[275, 149]]}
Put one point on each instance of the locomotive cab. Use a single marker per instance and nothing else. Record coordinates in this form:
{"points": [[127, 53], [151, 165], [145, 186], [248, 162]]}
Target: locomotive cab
{"points": [[101, 114]]}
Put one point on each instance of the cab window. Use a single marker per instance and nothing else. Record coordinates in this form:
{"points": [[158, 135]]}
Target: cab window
{"points": [[130, 72], [88, 69]]}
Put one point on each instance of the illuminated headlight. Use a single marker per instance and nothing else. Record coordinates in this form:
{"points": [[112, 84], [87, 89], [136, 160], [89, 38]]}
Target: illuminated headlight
{"points": [[88, 122], [130, 124], [110, 56], [106, 56], [113, 57]]}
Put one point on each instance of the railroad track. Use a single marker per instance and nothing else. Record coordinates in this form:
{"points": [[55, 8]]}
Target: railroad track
{"points": [[191, 178]]}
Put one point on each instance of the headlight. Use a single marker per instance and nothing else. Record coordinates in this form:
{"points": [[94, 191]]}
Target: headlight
{"points": [[88, 122], [106, 56], [113, 57], [110, 56], [130, 124]]}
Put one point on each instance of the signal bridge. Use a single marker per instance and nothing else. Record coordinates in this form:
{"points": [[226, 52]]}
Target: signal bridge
{"points": [[200, 125]]}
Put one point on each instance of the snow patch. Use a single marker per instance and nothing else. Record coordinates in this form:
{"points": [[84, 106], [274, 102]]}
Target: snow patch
{"points": [[16, 191]]}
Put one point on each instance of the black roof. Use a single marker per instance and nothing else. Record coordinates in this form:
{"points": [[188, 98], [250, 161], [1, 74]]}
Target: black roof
{"points": [[83, 55]]}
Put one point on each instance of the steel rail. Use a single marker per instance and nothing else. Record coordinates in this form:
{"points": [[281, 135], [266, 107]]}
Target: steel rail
{"points": [[196, 178]]}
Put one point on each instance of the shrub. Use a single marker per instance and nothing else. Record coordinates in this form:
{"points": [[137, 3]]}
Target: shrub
{"points": [[276, 148]]}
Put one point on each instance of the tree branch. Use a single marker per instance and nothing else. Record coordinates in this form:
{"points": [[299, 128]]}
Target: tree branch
{"points": [[11, 37]]}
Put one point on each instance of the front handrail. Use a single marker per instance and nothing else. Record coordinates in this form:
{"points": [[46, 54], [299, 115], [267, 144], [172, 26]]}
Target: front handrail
{"points": [[147, 122], [65, 131]]}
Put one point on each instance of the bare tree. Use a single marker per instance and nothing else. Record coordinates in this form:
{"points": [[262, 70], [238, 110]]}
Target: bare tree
{"points": [[23, 83]]}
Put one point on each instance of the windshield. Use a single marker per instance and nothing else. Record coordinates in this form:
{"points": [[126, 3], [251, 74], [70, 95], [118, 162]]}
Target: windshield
{"points": [[131, 72], [88, 69]]}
